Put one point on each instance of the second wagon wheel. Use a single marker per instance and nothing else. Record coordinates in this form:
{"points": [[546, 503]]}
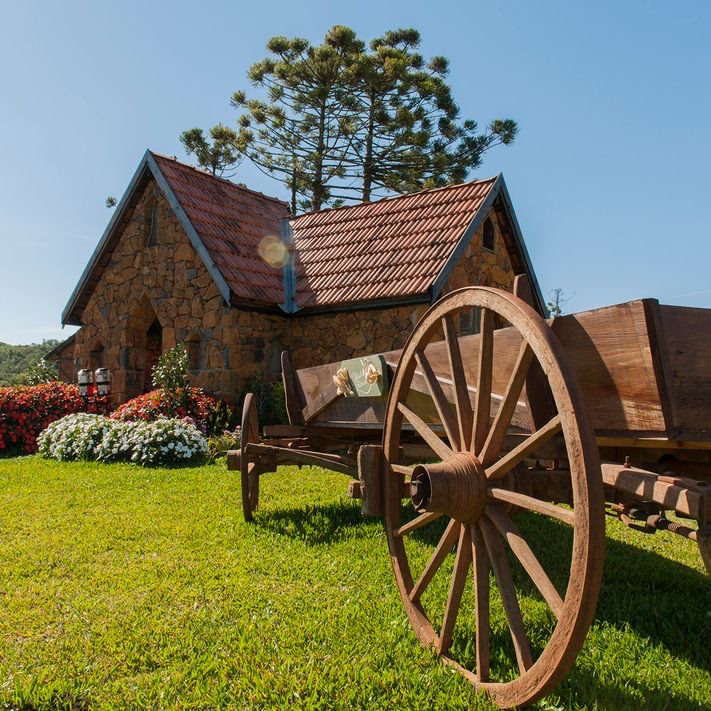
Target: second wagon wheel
{"points": [[499, 577], [249, 464]]}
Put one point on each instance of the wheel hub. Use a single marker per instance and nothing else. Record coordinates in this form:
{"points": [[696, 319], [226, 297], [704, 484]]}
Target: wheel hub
{"points": [[456, 487]]}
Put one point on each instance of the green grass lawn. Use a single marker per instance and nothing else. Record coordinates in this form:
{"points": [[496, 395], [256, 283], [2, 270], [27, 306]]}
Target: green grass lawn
{"points": [[144, 588]]}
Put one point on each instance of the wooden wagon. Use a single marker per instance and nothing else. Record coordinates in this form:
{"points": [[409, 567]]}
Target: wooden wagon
{"points": [[488, 412]]}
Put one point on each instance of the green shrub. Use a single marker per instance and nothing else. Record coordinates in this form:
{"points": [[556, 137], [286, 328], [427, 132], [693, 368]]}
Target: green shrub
{"points": [[173, 397], [41, 372], [170, 373], [218, 445], [95, 437]]}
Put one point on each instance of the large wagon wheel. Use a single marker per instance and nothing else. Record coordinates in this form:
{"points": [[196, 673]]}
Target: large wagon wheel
{"points": [[249, 468], [466, 503]]}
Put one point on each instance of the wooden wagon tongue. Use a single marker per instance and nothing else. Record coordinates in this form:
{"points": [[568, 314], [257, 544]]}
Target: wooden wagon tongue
{"points": [[456, 487]]}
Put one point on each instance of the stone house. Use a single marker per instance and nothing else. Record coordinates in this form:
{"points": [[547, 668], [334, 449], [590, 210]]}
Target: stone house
{"points": [[191, 258]]}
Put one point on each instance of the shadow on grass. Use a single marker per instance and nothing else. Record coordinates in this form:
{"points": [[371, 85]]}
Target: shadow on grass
{"points": [[12, 453], [583, 687], [656, 597], [665, 603], [659, 599], [319, 524]]}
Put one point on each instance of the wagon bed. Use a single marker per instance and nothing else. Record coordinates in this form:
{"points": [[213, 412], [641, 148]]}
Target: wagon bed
{"points": [[644, 370]]}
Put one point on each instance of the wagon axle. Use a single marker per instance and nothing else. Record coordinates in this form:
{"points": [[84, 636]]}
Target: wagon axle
{"points": [[455, 487]]}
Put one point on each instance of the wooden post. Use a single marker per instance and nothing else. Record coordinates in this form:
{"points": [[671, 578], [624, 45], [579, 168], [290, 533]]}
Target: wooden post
{"points": [[370, 474]]}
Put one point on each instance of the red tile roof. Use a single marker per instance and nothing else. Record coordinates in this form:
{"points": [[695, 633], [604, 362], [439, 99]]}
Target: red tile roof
{"points": [[231, 222], [392, 249], [398, 249]]}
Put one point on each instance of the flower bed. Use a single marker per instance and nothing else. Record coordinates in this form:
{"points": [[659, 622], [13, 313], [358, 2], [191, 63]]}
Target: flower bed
{"points": [[210, 415], [162, 442], [26, 410]]}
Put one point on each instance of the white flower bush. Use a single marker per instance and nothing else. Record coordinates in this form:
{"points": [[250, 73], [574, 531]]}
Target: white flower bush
{"points": [[95, 437], [75, 436]]}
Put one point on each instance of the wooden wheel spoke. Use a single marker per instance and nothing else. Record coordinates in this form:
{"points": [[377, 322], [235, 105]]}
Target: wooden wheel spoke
{"points": [[504, 580], [438, 556], [459, 383], [250, 464], [530, 503], [424, 430], [456, 588], [438, 397], [418, 522], [482, 403], [481, 592], [523, 450], [508, 405], [508, 529]]}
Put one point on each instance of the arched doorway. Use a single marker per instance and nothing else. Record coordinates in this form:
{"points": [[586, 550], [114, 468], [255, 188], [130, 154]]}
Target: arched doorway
{"points": [[142, 347], [153, 350]]}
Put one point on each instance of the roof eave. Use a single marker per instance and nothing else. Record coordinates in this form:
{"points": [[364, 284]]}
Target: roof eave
{"points": [[243, 304], [60, 347], [497, 189], [389, 302], [70, 316], [193, 236], [540, 303]]}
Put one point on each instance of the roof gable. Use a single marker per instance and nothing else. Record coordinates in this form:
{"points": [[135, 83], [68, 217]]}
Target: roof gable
{"points": [[398, 249], [225, 223]]}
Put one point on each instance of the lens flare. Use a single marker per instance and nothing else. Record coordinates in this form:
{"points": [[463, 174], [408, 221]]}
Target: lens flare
{"points": [[273, 251]]}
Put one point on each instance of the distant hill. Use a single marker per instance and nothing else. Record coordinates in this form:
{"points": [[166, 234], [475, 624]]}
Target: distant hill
{"points": [[15, 360]]}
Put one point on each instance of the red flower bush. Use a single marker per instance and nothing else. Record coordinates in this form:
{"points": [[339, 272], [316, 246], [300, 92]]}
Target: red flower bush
{"points": [[210, 415], [25, 410]]}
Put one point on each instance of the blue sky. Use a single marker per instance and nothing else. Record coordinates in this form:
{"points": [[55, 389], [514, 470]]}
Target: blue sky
{"points": [[609, 176]]}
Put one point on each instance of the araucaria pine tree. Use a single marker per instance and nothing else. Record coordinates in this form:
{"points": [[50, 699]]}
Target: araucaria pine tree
{"points": [[342, 122]]}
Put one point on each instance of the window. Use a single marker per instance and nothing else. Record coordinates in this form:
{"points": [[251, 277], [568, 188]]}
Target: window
{"points": [[152, 233], [488, 236]]}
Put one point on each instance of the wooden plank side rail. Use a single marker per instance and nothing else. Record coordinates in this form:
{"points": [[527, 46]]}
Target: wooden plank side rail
{"points": [[685, 344], [642, 367], [611, 353]]}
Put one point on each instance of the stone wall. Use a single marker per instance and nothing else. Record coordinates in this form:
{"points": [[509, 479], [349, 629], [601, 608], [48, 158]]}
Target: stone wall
{"points": [[480, 266]]}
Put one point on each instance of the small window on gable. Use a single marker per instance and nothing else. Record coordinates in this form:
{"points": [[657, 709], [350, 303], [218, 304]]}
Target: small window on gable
{"points": [[152, 233], [470, 321], [488, 236]]}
